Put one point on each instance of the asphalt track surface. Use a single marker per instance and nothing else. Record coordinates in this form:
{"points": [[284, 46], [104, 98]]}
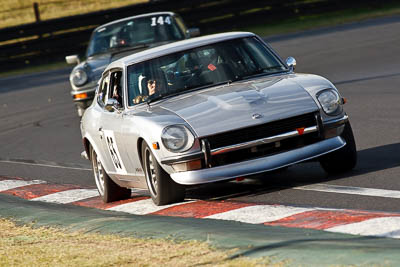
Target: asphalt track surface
{"points": [[40, 136]]}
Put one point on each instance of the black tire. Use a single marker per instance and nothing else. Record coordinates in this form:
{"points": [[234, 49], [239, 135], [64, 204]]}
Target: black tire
{"points": [[109, 191], [344, 159], [163, 189]]}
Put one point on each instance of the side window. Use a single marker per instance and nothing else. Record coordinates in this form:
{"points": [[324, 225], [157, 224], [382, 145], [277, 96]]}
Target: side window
{"points": [[146, 80], [116, 91], [181, 25], [103, 90]]}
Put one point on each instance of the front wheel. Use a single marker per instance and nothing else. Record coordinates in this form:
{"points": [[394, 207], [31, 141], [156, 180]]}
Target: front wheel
{"points": [[163, 189], [344, 159], [109, 191]]}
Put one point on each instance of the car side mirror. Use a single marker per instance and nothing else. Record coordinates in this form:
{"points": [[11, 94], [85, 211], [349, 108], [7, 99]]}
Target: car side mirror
{"points": [[112, 104], [74, 59], [291, 62], [193, 32]]}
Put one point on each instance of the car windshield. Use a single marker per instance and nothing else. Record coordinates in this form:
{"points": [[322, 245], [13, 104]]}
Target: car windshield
{"points": [[201, 67], [134, 32]]}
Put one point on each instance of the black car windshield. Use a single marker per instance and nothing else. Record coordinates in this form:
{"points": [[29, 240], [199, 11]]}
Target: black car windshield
{"points": [[201, 67], [134, 32]]}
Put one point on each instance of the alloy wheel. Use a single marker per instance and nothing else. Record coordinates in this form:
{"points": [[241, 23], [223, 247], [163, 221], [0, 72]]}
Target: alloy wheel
{"points": [[98, 174], [151, 175]]}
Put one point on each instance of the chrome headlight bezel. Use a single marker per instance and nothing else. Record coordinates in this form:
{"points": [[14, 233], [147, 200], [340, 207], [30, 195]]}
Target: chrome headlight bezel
{"points": [[177, 138], [79, 77], [330, 101]]}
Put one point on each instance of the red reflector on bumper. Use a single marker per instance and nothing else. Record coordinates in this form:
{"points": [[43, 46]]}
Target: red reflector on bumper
{"points": [[300, 130]]}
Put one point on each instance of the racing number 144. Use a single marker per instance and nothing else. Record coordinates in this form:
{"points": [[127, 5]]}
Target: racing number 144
{"points": [[160, 20]]}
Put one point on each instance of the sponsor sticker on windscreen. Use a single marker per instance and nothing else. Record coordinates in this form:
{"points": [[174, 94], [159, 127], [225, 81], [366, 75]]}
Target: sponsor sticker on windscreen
{"points": [[211, 67]]}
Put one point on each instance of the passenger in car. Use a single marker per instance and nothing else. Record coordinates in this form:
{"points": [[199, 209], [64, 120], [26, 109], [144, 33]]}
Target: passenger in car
{"points": [[116, 93]]}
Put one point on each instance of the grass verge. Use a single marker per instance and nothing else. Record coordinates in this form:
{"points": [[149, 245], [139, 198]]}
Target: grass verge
{"points": [[16, 12], [27, 246]]}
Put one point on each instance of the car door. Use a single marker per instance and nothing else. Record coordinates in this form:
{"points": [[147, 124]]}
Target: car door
{"points": [[110, 124]]}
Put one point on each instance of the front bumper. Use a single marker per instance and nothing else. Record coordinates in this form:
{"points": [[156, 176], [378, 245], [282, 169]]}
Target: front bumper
{"points": [[258, 165]]}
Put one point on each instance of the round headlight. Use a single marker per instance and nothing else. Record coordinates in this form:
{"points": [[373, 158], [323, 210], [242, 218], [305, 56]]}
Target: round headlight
{"points": [[177, 138], [79, 77], [329, 100]]}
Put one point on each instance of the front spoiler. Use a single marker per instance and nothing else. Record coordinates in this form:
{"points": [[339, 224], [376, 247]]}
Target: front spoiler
{"points": [[259, 165]]}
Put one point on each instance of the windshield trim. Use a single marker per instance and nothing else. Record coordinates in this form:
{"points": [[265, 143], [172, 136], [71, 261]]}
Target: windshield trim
{"points": [[182, 50]]}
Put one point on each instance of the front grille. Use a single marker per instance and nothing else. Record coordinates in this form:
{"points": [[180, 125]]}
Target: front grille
{"points": [[264, 150], [261, 131]]}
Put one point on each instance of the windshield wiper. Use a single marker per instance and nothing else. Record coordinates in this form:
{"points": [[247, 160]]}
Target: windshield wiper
{"points": [[188, 88], [153, 99], [119, 49], [264, 71], [210, 84]]}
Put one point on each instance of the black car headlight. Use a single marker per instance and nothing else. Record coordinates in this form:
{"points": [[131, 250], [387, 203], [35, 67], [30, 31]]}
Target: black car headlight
{"points": [[330, 101], [177, 138], [79, 77]]}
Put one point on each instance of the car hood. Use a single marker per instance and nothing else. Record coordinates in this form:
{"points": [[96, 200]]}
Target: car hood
{"points": [[241, 104], [98, 63]]}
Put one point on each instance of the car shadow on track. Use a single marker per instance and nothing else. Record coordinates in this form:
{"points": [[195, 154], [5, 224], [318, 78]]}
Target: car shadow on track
{"points": [[369, 160]]}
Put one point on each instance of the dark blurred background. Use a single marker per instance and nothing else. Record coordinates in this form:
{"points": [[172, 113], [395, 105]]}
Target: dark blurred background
{"points": [[48, 40]]}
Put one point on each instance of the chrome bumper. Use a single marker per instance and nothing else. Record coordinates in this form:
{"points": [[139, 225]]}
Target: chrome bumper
{"points": [[259, 165], [89, 90]]}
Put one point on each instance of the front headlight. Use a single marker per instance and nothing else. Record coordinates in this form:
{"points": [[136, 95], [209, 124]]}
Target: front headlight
{"points": [[177, 138], [329, 100], [79, 77]]}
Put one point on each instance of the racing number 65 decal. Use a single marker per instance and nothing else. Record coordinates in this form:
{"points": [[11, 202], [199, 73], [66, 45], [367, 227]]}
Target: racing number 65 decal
{"points": [[114, 153]]}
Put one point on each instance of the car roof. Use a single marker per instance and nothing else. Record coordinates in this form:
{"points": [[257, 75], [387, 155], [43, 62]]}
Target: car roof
{"points": [[176, 47], [136, 17]]}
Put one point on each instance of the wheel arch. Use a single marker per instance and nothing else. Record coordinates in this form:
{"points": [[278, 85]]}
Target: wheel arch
{"points": [[139, 149], [87, 146]]}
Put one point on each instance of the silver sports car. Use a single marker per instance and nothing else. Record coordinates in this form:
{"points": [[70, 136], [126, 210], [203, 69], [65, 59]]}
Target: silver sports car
{"points": [[209, 109]]}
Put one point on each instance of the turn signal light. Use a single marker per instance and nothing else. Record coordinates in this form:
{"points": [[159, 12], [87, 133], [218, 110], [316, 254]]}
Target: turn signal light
{"points": [[187, 166], [81, 96], [156, 145]]}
